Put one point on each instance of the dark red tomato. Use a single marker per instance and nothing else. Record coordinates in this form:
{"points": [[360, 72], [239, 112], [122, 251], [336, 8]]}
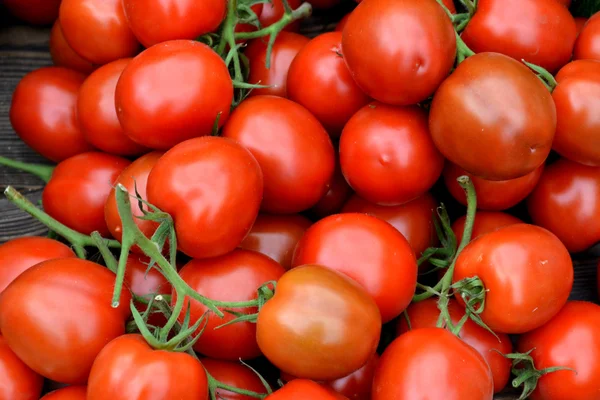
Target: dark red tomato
{"points": [[233, 374], [368, 250], [37, 12], [184, 86], [571, 339], [425, 315], [526, 271], [342, 24], [129, 369], [68, 393], [580, 23], [235, 276], [257, 9], [212, 187], [273, 11], [588, 42], [19, 382], [58, 299], [340, 336], [485, 222], [508, 138], [337, 194], [43, 112], [432, 363], [578, 68], [63, 55], [286, 46], [305, 389], [566, 201], [394, 71], [492, 195], [78, 190], [293, 149], [387, 154]]}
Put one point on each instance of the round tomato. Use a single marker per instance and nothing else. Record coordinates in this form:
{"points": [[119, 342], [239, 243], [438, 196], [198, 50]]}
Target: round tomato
{"points": [[337, 194], [578, 68], [37, 12], [233, 374], [587, 45], [63, 55], [273, 11], [485, 222], [305, 389], [68, 393], [19, 382]]}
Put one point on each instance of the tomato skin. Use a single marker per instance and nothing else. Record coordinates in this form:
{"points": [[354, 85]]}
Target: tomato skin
{"points": [[233, 374], [19, 382], [387, 154], [63, 55], [124, 370], [415, 360], [36, 12], [337, 194], [587, 46], [273, 11], [485, 222], [305, 389], [342, 24], [380, 258], [43, 112], [580, 23], [399, 72], [578, 68], [35, 328], [68, 393], [293, 149]]}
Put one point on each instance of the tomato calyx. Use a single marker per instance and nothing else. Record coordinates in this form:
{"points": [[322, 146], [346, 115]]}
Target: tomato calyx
{"points": [[472, 291], [265, 293], [44, 172]]}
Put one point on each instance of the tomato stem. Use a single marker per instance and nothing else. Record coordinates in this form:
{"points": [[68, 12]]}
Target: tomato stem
{"points": [[543, 75], [462, 50], [44, 172], [109, 258], [214, 384]]}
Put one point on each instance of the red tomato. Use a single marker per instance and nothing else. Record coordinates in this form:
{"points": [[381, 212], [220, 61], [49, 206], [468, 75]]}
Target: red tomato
{"points": [[124, 370], [566, 3], [58, 299], [508, 138], [342, 24], [286, 46], [68, 393], [399, 51], [19, 382], [432, 363], [340, 336], [43, 112], [485, 222], [566, 201], [580, 23], [63, 55], [257, 9], [578, 68], [37, 12], [571, 339], [273, 11], [337, 194], [588, 42], [492, 195], [233, 277], [158, 112], [145, 282], [233, 374], [293, 149], [368, 250], [305, 389], [212, 187], [79, 188]]}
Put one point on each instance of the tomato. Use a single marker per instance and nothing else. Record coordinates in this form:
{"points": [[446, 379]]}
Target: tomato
{"points": [[507, 139], [305, 389], [337, 194], [340, 336], [37, 12], [68, 393], [19, 382], [485, 222], [293, 149], [450, 5], [588, 42], [235, 276], [425, 315], [159, 113], [63, 55], [212, 187], [332, 96], [378, 257], [286, 47], [273, 11], [492, 195], [257, 9], [129, 369], [79, 188], [43, 112], [578, 68], [58, 299], [387, 154], [399, 51], [571, 339], [580, 23], [432, 363], [566, 201], [566, 3], [342, 24], [233, 374]]}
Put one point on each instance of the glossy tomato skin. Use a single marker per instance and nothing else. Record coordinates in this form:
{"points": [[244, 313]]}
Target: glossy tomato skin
{"points": [[413, 362], [578, 68], [126, 370], [235, 276], [37, 12], [572, 340], [212, 187], [233, 374], [587, 46], [387, 154], [379, 258], [63, 55], [68, 393], [485, 222], [293, 149], [394, 71], [19, 382], [273, 11], [507, 139], [35, 328], [43, 112], [305, 389], [337, 194]]}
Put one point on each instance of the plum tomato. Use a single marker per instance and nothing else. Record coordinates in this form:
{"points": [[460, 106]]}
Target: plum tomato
{"points": [[68, 393], [578, 68], [337, 194], [19, 382], [63, 55], [233, 374], [36, 12], [305, 389], [485, 222], [587, 45], [273, 10]]}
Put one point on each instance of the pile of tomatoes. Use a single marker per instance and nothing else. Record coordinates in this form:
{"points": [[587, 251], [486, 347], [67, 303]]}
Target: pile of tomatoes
{"points": [[241, 212]]}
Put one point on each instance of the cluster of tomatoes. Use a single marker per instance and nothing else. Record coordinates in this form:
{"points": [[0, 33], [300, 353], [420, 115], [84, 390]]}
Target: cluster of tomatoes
{"points": [[228, 190]]}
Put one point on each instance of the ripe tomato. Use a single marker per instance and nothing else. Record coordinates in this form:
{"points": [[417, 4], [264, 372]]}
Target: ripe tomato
{"points": [[235, 276], [342, 24], [68, 393], [432, 363], [286, 47], [233, 374], [273, 11], [59, 299], [527, 273], [578, 68], [507, 139], [379, 258], [43, 112], [425, 315], [338, 193], [399, 51], [492, 195], [63, 55], [37, 12], [566, 201], [340, 336], [79, 188], [485, 222], [571, 339], [580, 23], [172, 110], [124, 371], [387, 154], [19, 382], [305, 389], [293, 149], [212, 187], [332, 95], [588, 42]]}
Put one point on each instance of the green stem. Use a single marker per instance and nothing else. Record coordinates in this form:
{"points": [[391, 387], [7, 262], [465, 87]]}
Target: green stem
{"points": [[544, 76], [305, 10], [109, 258], [44, 172], [214, 384], [462, 50]]}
